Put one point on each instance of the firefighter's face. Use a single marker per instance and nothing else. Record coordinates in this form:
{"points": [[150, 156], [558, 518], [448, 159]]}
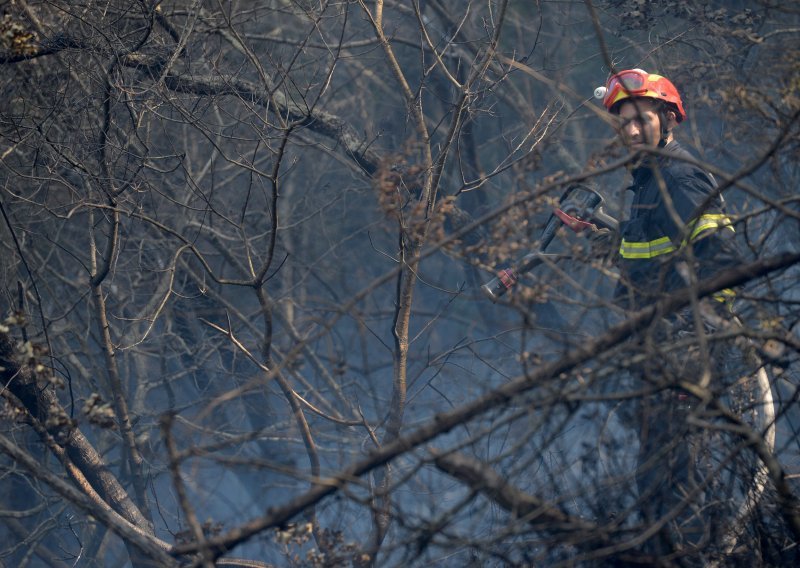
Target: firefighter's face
{"points": [[640, 124]]}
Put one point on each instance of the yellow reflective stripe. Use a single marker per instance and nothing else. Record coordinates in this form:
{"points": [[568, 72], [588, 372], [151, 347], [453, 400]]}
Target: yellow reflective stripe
{"points": [[710, 221], [663, 245], [724, 295], [649, 249]]}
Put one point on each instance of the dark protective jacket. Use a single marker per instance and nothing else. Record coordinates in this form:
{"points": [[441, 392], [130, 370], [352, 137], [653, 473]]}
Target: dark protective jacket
{"points": [[654, 241]]}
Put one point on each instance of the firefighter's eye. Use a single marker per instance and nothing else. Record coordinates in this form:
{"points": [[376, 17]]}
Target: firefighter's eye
{"points": [[636, 121]]}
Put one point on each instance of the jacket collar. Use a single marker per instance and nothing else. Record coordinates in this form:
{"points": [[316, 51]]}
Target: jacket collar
{"points": [[643, 171]]}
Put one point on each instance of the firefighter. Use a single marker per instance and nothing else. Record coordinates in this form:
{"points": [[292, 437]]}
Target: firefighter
{"points": [[675, 203], [676, 232]]}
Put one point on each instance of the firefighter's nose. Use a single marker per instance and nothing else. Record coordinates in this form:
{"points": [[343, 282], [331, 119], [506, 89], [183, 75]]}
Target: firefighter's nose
{"points": [[632, 129]]}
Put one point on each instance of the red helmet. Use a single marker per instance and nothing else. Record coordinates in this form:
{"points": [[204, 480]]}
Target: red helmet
{"points": [[638, 83]]}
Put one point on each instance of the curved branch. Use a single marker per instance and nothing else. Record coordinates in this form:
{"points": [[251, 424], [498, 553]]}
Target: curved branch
{"points": [[321, 122], [41, 404], [534, 511], [146, 544]]}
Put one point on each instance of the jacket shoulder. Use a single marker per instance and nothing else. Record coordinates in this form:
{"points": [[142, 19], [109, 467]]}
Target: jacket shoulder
{"points": [[679, 160], [679, 169]]}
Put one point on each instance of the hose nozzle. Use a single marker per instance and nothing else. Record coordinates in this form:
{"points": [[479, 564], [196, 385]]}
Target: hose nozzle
{"points": [[498, 286]]}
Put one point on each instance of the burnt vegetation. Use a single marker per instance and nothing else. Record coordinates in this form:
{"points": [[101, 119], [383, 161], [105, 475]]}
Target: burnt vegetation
{"points": [[241, 250]]}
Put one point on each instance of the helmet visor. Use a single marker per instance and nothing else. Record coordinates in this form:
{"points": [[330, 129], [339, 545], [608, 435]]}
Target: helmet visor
{"points": [[632, 82]]}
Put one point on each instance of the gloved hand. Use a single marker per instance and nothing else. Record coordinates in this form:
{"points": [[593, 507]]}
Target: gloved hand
{"points": [[603, 243]]}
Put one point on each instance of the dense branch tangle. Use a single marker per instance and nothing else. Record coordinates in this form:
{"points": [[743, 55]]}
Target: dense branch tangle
{"points": [[232, 215]]}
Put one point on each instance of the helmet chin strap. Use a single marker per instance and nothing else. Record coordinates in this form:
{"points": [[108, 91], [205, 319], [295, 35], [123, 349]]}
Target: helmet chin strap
{"points": [[663, 121]]}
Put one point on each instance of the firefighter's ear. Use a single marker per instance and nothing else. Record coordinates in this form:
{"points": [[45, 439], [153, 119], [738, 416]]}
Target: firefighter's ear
{"points": [[672, 119]]}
